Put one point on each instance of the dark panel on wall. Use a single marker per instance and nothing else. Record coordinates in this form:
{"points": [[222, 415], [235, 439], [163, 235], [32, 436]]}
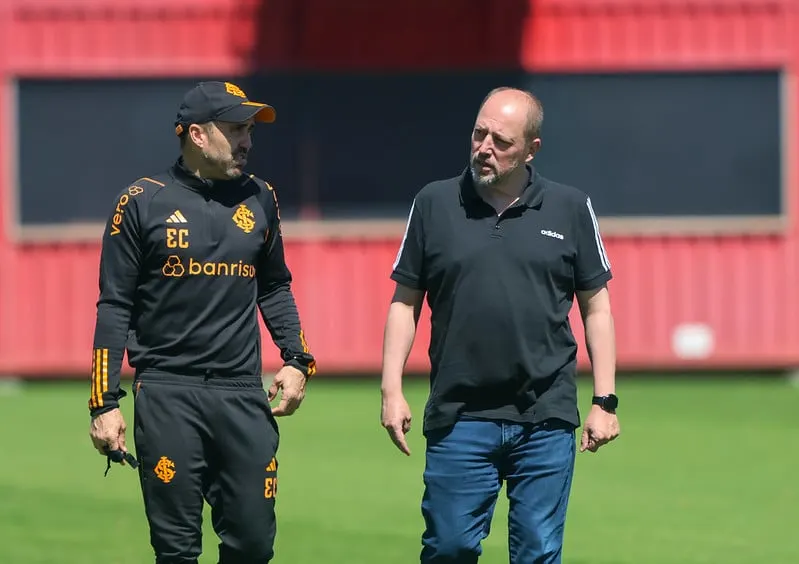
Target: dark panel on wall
{"points": [[701, 144], [361, 145], [82, 141]]}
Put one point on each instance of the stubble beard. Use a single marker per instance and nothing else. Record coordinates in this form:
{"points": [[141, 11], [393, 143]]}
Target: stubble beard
{"points": [[492, 179], [227, 167]]}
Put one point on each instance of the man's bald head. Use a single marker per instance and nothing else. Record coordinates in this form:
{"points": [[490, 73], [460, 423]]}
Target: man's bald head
{"points": [[512, 99], [505, 137]]}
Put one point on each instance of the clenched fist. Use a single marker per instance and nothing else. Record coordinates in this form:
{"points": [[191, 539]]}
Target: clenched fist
{"points": [[600, 428], [108, 431]]}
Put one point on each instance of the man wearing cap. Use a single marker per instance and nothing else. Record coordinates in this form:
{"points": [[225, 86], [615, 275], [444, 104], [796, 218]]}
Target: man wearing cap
{"points": [[188, 257]]}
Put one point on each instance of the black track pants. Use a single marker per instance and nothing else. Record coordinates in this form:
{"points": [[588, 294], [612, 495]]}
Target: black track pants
{"points": [[206, 438]]}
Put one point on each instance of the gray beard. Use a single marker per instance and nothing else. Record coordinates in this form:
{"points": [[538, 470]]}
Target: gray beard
{"points": [[492, 179]]}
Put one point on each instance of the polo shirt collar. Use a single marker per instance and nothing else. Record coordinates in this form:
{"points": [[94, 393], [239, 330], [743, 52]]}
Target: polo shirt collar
{"points": [[531, 196]]}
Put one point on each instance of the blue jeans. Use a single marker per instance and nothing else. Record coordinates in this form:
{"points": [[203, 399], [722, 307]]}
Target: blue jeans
{"points": [[464, 470]]}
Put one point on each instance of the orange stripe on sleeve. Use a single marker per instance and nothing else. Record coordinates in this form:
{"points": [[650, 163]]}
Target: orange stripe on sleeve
{"points": [[97, 375], [93, 380], [104, 374]]}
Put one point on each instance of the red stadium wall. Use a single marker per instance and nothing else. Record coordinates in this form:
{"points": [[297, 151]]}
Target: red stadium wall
{"points": [[743, 287]]}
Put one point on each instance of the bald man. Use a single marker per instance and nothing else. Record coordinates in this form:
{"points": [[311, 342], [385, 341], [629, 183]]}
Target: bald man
{"points": [[501, 253]]}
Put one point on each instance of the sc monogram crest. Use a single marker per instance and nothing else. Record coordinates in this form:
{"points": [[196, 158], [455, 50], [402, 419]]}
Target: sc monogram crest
{"points": [[165, 470], [235, 90], [244, 218]]}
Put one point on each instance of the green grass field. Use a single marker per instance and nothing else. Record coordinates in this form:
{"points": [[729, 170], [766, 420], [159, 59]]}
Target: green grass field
{"points": [[705, 472]]}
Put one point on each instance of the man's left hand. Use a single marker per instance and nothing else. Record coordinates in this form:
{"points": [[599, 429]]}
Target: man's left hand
{"points": [[600, 428], [292, 382]]}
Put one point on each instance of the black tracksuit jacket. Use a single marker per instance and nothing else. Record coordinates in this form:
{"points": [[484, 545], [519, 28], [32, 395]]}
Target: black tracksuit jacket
{"points": [[185, 262]]}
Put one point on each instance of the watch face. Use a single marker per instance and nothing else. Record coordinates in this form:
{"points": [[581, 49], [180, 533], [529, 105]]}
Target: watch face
{"points": [[609, 402]]}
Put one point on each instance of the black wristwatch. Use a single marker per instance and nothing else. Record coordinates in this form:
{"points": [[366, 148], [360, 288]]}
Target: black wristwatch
{"points": [[608, 403]]}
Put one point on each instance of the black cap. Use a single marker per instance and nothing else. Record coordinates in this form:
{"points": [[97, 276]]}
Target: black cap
{"points": [[222, 101]]}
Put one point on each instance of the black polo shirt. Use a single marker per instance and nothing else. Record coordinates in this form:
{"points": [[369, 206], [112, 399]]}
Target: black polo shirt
{"points": [[500, 290]]}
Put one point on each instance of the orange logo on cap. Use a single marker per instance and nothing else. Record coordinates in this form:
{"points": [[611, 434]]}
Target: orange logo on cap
{"points": [[235, 90]]}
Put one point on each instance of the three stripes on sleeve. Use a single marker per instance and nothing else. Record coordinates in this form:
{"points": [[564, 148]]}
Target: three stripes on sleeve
{"points": [[99, 378]]}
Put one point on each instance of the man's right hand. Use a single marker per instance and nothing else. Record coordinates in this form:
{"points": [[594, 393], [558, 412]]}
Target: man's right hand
{"points": [[108, 431], [396, 418]]}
